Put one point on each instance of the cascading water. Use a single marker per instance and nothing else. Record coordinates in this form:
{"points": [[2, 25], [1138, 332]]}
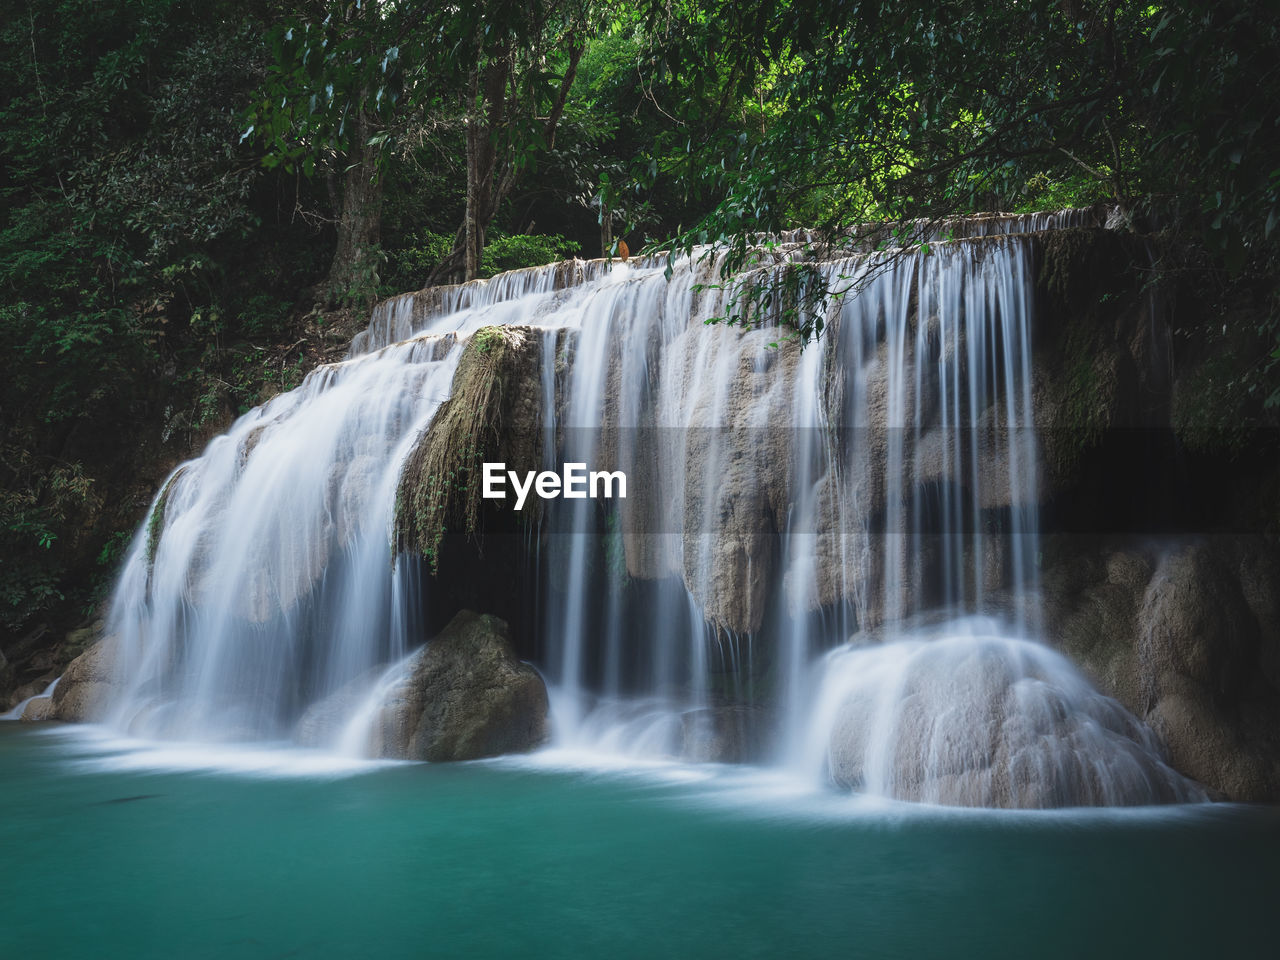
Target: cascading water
{"points": [[966, 715], [263, 580], [20, 707], [780, 500]]}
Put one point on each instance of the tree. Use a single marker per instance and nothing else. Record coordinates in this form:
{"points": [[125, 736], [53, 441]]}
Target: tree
{"points": [[124, 200], [511, 111], [148, 266], [353, 89]]}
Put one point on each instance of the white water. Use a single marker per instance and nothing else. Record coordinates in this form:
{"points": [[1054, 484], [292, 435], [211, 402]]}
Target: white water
{"points": [[16, 712], [964, 715], [780, 501]]}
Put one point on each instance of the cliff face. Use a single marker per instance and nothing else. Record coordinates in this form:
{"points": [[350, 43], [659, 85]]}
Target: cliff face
{"points": [[1185, 632]]}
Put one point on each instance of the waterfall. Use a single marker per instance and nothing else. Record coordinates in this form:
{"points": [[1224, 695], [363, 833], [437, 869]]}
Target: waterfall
{"points": [[786, 507], [967, 716], [264, 577]]}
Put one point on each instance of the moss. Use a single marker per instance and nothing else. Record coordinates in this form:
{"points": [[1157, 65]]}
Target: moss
{"points": [[1085, 281], [440, 487], [1212, 409], [1085, 268], [155, 524], [1084, 407], [1067, 255], [487, 339]]}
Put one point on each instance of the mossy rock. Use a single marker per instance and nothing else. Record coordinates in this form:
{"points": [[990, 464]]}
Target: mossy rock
{"points": [[493, 414], [1088, 380], [155, 523], [467, 696]]}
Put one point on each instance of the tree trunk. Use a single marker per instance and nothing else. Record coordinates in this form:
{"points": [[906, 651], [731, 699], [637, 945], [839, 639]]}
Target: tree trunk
{"points": [[490, 173], [606, 228], [472, 242], [488, 112], [353, 274]]}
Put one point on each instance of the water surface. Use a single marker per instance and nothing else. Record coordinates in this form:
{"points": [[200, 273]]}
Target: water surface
{"points": [[109, 851]]}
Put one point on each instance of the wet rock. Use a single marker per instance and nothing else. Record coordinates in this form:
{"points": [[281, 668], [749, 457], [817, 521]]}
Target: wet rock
{"points": [[985, 721], [32, 689], [466, 696], [39, 709], [322, 723], [724, 734], [492, 415], [1186, 638], [87, 684], [1204, 676]]}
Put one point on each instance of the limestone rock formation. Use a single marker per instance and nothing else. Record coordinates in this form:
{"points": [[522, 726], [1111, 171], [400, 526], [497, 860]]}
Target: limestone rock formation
{"points": [[725, 734], [465, 696], [41, 708], [87, 684], [984, 721], [322, 724], [1187, 638], [492, 414]]}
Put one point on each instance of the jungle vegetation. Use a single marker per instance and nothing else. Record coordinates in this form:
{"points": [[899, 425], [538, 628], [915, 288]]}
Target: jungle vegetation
{"points": [[199, 199]]}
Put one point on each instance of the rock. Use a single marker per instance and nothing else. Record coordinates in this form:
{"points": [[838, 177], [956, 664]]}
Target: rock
{"points": [[466, 696], [985, 721], [493, 414], [1204, 672], [39, 709], [87, 683], [78, 641], [32, 689], [1091, 605], [1194, 622], [1205, 742], [725, 734], [1187, 640]]}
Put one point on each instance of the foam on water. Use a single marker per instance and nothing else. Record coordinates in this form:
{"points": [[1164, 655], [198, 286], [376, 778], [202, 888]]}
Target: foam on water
{"points": [[98, 749]]}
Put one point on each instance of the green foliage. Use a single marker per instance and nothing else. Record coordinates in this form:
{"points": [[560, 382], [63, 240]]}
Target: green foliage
{"points": [[1213, 411], [486, 339], [831, 113], [173, 176], [133, 246], [265, 315], [26, 592], [155, 523], [408, 266], [523, 250]]}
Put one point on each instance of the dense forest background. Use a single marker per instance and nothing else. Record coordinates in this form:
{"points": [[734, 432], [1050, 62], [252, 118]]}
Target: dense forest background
{"points": [[200, 199]]}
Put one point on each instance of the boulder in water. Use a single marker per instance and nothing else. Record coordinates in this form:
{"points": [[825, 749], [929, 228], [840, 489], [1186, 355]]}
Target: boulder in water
{"points": [[87, 684], [41, 708], [970, 719], [465, 696], [323, 723]]}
